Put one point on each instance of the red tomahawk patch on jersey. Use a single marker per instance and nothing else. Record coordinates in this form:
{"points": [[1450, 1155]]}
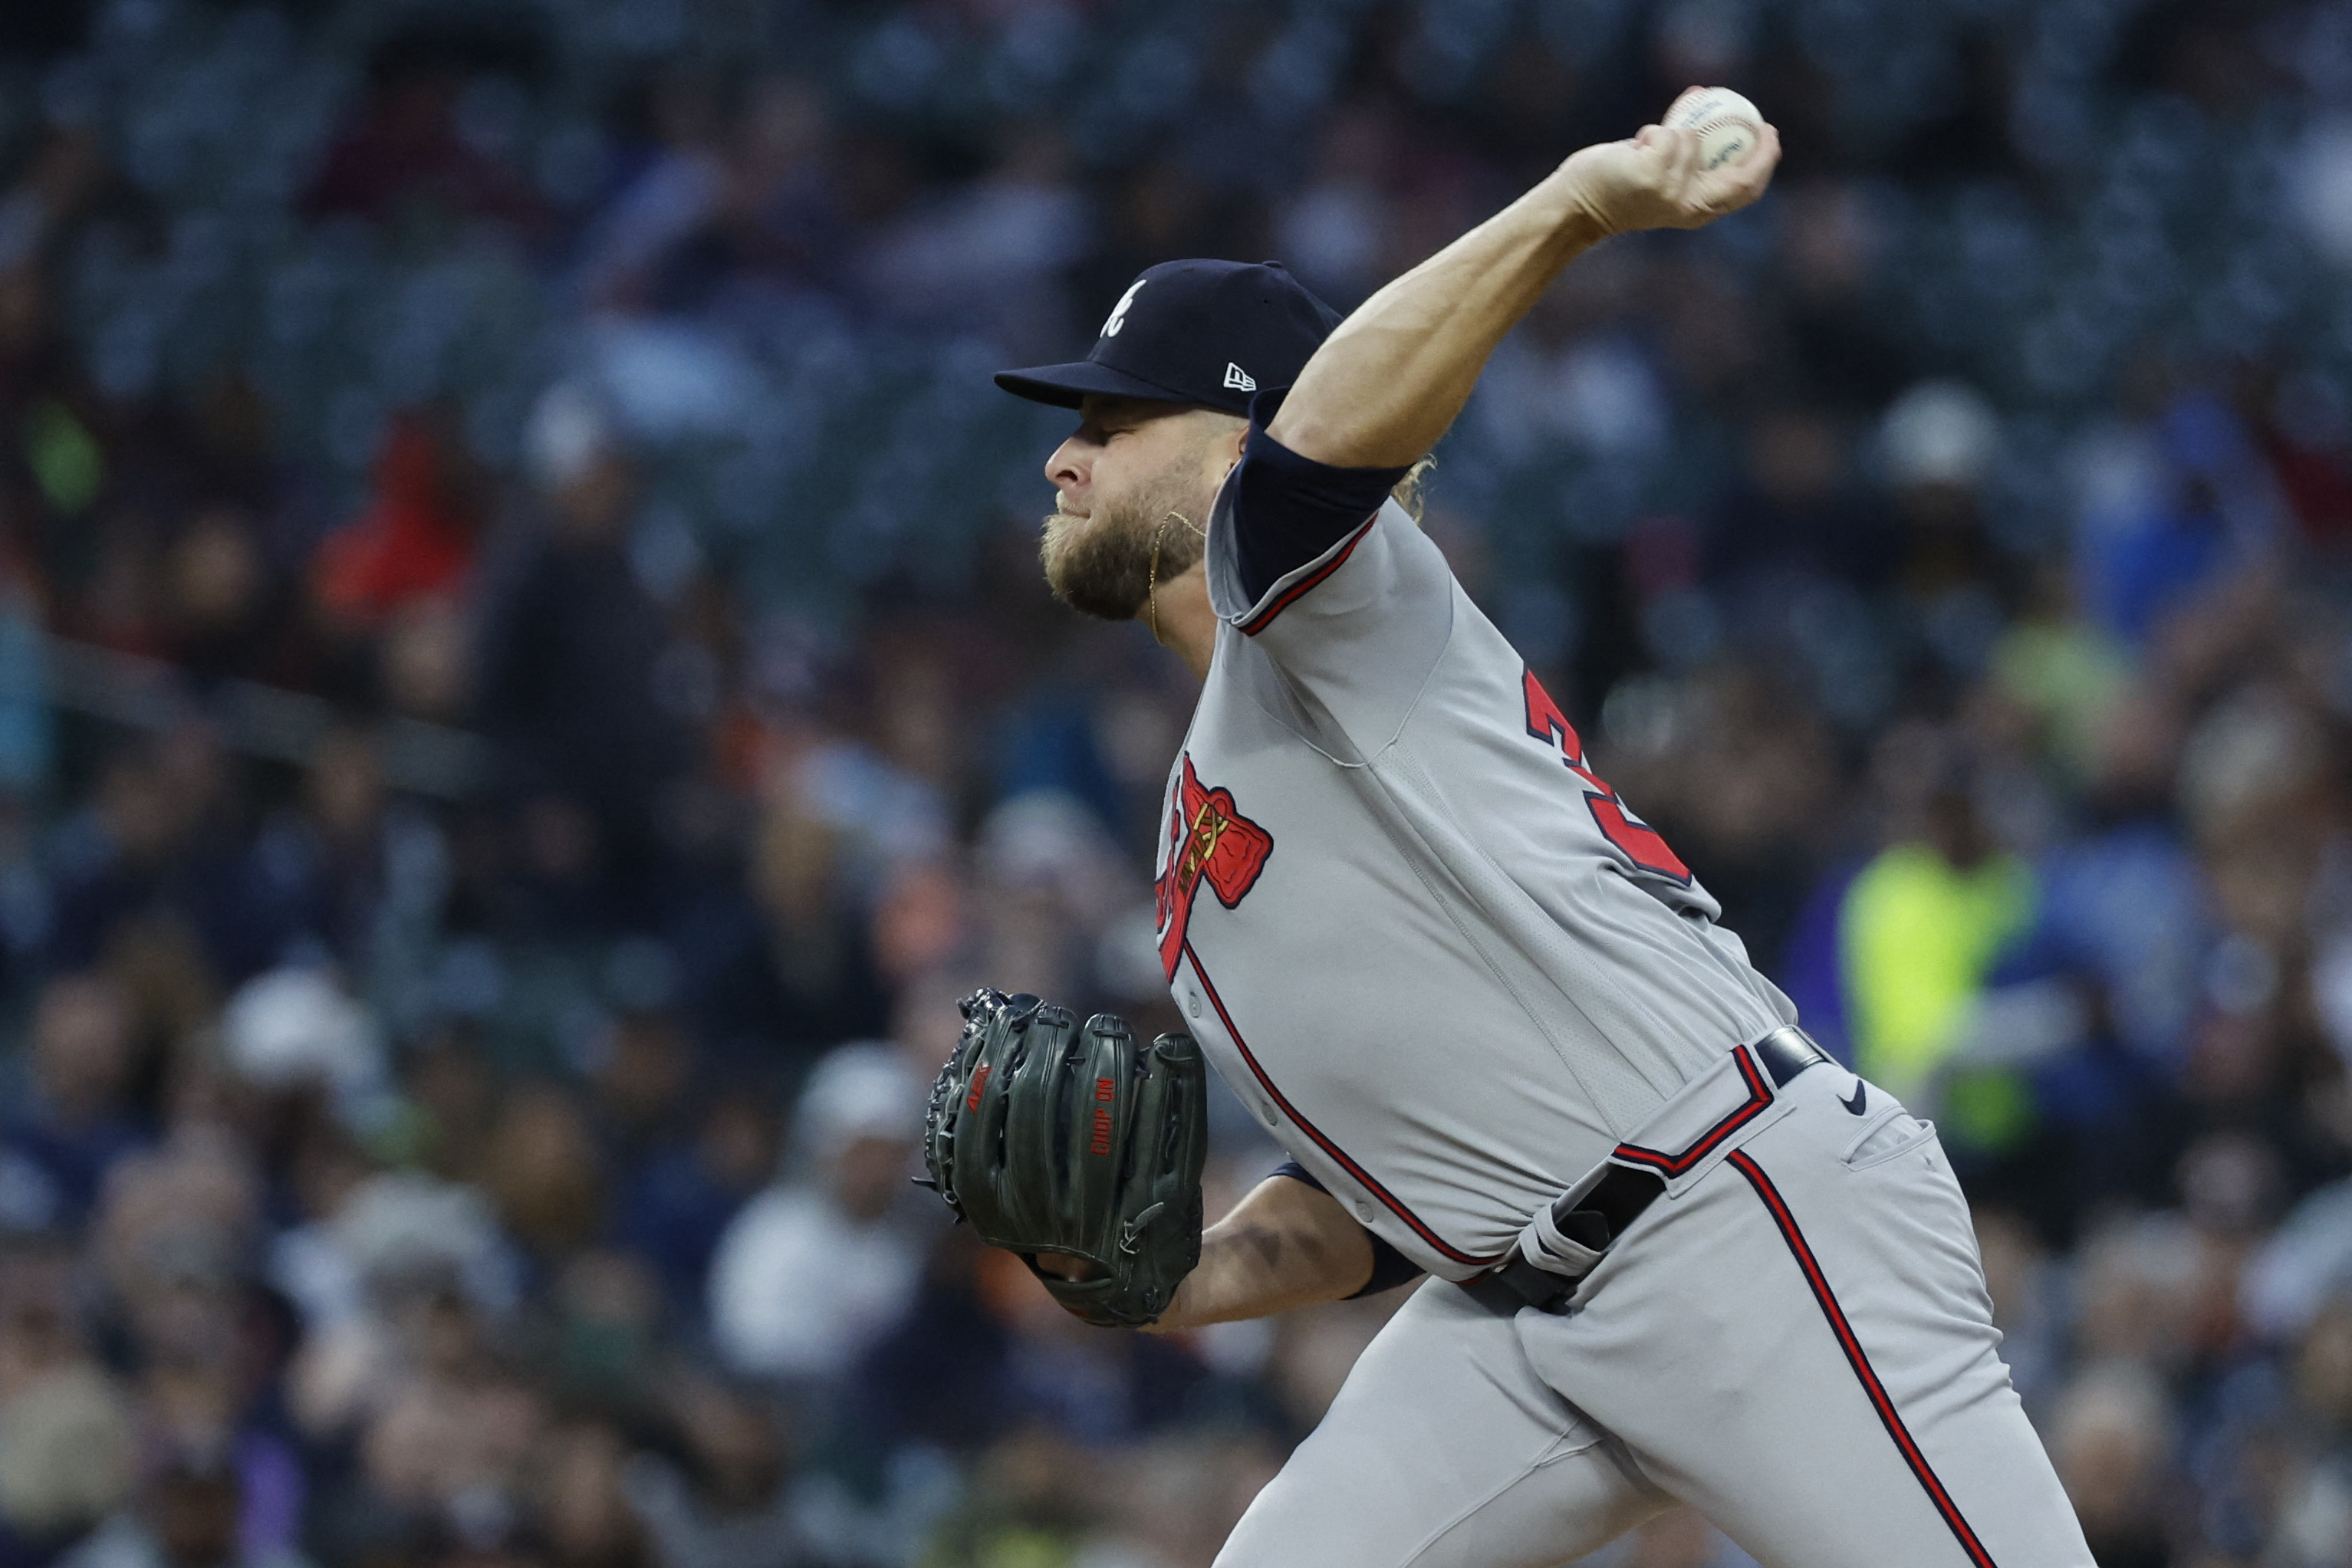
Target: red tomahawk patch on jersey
{"points": [[1209, 840]]}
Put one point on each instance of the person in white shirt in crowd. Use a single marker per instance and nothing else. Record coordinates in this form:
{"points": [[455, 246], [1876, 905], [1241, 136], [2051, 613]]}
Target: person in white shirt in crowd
{"points": [[822, 1260]]}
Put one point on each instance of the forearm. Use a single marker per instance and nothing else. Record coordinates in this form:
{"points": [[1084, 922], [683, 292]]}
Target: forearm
{"points": [[1386, 385], [1393, 376], [1284, 1246]]}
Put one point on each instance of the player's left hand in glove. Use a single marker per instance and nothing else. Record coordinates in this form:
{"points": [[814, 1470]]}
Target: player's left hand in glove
{"points": [[1051, 1137]]}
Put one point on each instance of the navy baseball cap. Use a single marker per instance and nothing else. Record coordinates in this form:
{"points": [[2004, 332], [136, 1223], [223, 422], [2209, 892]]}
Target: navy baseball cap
{"points": [[1209, 332]]}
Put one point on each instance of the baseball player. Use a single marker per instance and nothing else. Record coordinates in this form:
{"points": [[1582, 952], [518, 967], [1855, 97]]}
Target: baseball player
{"points": [[1681, 1255]]}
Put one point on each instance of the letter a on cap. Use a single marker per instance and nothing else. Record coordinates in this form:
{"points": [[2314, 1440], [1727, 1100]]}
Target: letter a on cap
{"points": [[1236, 378], [1119, 311]]}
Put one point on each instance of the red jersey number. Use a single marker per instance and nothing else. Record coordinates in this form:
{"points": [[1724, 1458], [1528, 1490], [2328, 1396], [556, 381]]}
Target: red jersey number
{"points": [[1634, 839]]}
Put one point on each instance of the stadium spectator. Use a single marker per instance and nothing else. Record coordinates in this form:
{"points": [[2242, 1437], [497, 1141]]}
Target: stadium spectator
{"points": [[810, 1271]]}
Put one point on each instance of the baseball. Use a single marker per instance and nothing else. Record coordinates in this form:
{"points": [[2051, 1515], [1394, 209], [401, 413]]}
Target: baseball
{"points": [[1728, 126]]}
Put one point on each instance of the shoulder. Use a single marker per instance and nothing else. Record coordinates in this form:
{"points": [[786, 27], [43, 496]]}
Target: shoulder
{"points": [[1279, 511]]}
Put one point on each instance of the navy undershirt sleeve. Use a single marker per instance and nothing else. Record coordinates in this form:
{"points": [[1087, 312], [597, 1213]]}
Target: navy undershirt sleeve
{"points": [[1391, 1268], [1288, 509]]}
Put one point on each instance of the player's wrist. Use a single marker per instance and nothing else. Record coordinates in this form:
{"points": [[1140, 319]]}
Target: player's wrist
{"points": [[1580, 192]]}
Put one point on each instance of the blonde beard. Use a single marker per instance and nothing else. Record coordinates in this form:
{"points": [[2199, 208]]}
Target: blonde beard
{"points": [[1103, 565]]}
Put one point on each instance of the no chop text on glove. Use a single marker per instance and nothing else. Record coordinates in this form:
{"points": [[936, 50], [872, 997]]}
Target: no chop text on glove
{"points": [[1050, 1137]]}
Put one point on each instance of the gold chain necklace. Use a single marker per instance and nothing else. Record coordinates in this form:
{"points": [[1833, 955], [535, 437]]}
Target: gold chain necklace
{"points": [[1152, 586]]}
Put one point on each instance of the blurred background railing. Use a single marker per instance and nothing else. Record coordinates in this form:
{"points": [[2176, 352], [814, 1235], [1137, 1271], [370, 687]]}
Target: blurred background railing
{"points": [[269, 723]]}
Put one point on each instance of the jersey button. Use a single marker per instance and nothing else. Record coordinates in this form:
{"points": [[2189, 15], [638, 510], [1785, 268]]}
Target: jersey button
{"points": [[1364, 1211], [1196, 1003]]}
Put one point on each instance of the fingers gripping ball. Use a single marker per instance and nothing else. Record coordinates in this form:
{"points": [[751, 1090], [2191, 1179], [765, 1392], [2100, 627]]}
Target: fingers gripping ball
{"points": [[1729, 127], [1053, 1137]]}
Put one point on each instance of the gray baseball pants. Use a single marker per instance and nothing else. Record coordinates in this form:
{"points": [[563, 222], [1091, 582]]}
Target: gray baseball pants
{"points": [[1795, 1340]]}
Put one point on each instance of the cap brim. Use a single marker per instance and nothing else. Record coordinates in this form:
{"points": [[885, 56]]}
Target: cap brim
{"points": [[1063, 386]]}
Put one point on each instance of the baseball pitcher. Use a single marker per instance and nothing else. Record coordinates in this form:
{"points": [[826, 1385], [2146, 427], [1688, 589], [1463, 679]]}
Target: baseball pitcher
{"points": [[1680, 1254]]}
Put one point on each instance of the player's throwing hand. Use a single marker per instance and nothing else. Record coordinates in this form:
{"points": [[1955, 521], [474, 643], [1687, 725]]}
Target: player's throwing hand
{"points": [[1659, 181]]}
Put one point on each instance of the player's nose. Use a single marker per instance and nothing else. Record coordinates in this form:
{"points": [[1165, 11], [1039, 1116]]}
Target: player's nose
{"points": [[1068, 468]]}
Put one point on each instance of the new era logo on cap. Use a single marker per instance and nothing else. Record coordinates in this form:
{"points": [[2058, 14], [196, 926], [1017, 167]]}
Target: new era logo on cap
{"points": [[1184, 338]]}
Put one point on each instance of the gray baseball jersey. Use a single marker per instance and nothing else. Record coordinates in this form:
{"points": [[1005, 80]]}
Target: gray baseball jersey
{"points": [[1440, 958], [1455, 974]]}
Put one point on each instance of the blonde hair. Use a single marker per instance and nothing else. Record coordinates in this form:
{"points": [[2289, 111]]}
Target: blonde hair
{"points": [[1412, 492]]}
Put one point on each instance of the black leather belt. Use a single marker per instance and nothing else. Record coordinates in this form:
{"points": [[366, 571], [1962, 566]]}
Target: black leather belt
{"points": [[1787, 1051], [1605, 1213]]}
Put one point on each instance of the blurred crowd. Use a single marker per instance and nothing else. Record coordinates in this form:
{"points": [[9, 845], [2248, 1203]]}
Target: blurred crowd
{"points": [[525, 696]]}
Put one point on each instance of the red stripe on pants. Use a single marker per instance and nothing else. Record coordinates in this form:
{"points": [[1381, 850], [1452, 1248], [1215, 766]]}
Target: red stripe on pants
{"points": [[1879, 1398]]}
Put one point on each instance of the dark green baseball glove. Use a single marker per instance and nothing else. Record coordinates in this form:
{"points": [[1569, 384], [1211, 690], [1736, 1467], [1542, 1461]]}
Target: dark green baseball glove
{"points": [[1050, 1137]]}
